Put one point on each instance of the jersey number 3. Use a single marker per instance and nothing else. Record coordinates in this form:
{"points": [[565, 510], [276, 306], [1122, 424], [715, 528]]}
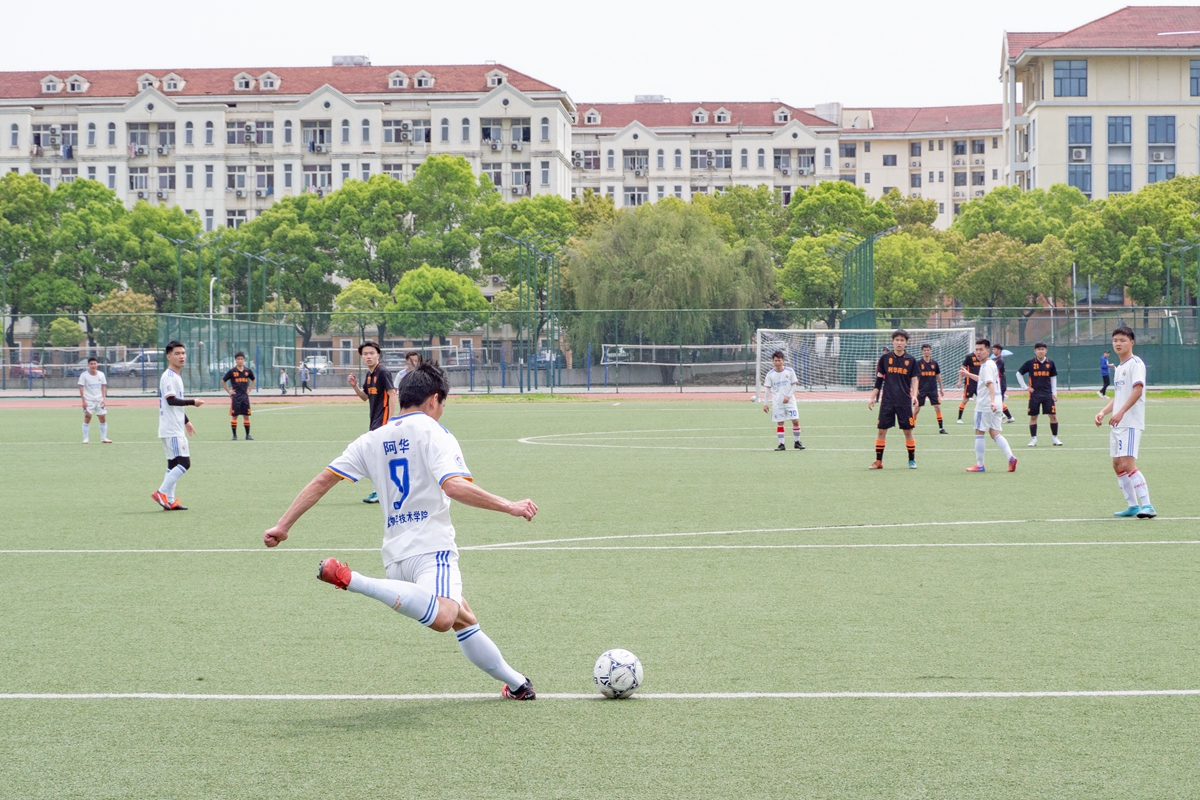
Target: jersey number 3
{"points": [[398, 467]]}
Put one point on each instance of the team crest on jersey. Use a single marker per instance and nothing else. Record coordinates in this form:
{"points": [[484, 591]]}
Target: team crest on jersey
{"points": [[458, 460]]}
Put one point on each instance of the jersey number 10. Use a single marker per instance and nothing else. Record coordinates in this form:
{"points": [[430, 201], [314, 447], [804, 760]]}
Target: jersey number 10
{"points": [[398, 467]]}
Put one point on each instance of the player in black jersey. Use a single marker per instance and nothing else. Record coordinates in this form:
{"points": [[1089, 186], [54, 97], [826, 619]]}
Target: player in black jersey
{"points": [[1043, 392], [896, 380], [998, 357], [970, 382], [930, 385], [240, 382], [378, 390]]}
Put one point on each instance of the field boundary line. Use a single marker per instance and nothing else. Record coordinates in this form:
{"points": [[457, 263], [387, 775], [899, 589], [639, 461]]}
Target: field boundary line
{"points": [[1083, 693]]}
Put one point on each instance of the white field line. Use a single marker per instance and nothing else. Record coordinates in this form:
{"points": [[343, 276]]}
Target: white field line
{"points": [[843, 546], [642, 696]]}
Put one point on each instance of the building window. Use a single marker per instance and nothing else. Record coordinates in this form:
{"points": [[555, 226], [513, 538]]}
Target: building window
{"points": [[1196, 79], [545, 129], [700, 159], [661, 160], [345, 172], [495, 80], [1120, 178], [287, 131], [235, 218], [91, 173], [678, 158], [366, 131], [318, 177], [995, 174], [166, 179], [287, 176], [522, 130], [189, 177], [914, 149], [700, 117], [314, 132], [941, 177], [960, 179], [112, 134], [466, 129], [723, 159], [978, 178], [636, 195], [91, 134], [394, 171], [591, 159], [139, 133], [208, 219], [112, 178], [591, 118], [941, 208], [847, 150], [490, 129], [545, 173], [635, 159], [267, 83], [396, 82], [1079, 130], [783, 159], [424, 82], [678, 192], [1080, 176], [866, 147], [43, 173], [914, 180], [1070, 79], [931, 176], [242, 85], [209, 132], [612, 160], [889, 161], [422, 130], [745, 158], [235, 177], [209, 172], [828, 158], [166, 134], [233, 132], [345, 131], [1161, 130], [494, 171], [188, 133], [849, 178], [445, 130], [866, 177], [522, 175], [660, 193], [960, 147], [139, 178], [978, 147], [1156, 173], [995, 142], [264, 180], [762, 158]]}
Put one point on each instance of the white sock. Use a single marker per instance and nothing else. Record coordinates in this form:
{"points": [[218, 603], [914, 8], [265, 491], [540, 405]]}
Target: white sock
{"points": [[85, 430], [483, 653], [1138, 482], [103, 430], [980, 449], [1004, 448], [168, 484], [796, 434], [408, 598], [779, 433], [1127, 488]]}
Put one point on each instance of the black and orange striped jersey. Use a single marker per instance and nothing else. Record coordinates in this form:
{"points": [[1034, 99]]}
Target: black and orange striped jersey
{"points": [[377, 384], [897, 373], [238, 380], [928, 371]]}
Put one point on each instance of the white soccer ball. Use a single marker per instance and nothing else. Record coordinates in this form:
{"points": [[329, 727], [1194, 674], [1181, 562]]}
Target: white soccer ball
{"points": [[617, 674]]}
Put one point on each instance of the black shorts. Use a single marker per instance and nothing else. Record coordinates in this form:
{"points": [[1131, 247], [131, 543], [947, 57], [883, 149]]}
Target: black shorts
{"points": [[970, 388], [1044, 402], [932, 397], [239, 405], [900, 416]]}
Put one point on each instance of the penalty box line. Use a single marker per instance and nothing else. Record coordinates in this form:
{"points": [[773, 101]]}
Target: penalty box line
{"points": [[1032, 695]]}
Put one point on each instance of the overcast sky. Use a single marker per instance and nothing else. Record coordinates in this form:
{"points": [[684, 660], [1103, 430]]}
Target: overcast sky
{"points": [[902, 53]]}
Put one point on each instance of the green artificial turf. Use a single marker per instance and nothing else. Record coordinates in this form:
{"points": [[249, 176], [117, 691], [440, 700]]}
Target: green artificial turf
{"points": [[728, 604]]}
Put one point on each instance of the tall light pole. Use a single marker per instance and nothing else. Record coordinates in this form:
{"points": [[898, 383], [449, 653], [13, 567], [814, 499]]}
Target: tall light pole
{"points": [[179, 245], [211, 345], [4, 268]]}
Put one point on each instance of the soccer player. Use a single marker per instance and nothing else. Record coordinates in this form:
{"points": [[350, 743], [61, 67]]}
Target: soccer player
{"points": [[174, 426], [93, 392], [779, 382], [1105, 371], [1128, 408], [930, 385], [896, 381], [998, 359], [412, 360], [420, 466], [240, 383], [1043, 392], [378, 390], [970, 380], [987, 408]]}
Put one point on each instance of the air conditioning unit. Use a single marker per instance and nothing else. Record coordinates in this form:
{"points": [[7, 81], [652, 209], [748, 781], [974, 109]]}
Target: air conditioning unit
{"points": [[162, 195], [260, 193], [55, 130], [577, 154], [54, 140], [404, 126], [979, 192], [958, 193], [915, 194], [578, 163], [1160, 157], [1079, 154], [978, 162], [516, 145], [518, 190], [241, 192], [248, 137], [786, 171], [848, 164], [958, 162], [805, 171], [142, 150], [497, 145], [709, 154], [321, 148], [496, 279], [638, 173], [250, 127], [163, 150], [141, 195], [405, 136], [916, 163]]}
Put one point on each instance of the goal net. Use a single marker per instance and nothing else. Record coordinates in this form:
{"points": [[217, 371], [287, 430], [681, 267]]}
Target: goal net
{"points": [[844, 359]]}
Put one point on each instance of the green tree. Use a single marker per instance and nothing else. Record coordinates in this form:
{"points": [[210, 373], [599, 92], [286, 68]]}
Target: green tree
{"points": [[125, 318], [65, 332], [457, 301], [365, 229], [359, 306], [911, 272], [837, 206], [546, 220], [590, 211], [1029, 216], [913, 215], [743, 213], [155, 271], [26, 228], [811, 276], [446, 197]]}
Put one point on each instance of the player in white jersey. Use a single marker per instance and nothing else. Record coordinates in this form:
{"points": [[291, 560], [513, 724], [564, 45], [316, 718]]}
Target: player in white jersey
{"points": [[1128, 409], [781, 401], [173, 426], [417, 468], [988, 404], [93, 392]]}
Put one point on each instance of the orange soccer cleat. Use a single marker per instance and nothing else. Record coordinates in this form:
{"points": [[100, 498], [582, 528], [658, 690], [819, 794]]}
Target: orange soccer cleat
{"points": [[161, 499], [335, 572]]}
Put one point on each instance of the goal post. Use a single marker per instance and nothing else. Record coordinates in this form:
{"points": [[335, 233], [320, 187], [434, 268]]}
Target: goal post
{"points": [[842, 359]]}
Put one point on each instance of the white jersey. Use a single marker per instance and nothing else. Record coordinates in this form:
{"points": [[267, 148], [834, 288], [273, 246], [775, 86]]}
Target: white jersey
{"points": [[92, 386], [987, 374], [407, 460], [1130, 373], [779, 384], [170, 418]]}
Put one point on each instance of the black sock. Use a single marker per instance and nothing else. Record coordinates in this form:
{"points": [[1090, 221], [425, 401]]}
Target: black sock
{"points": [[1033, 431], [1054, 429], [912, 451]]}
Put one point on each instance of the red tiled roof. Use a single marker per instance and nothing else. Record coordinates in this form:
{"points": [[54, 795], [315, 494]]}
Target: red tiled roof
{"points": [[679, 115], [1133, 27], [1018, 42], [292, 80], [927, 120]]}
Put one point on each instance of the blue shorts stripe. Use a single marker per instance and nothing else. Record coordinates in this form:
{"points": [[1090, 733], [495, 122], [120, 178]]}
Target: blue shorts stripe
{"points": [[429, 612]]}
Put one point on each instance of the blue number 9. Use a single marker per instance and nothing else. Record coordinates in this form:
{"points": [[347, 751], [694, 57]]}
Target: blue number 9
{"points": [[398, 468]]}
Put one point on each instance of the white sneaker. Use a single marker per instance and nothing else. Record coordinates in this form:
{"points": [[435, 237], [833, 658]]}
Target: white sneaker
{"points": [[1057, 442], [106, 441], [960, 422], [85, 441], [1099, 394], [1033, 442]]}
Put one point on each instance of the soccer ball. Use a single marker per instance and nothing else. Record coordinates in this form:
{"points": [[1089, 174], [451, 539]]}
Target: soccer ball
{"points": [[617, 674]]}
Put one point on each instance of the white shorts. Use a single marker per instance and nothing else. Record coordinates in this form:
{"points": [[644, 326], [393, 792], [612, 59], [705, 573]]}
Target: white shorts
{"points": [[784, 411], [175, 447], [1124, 442], [988, 420], [96, 407], [437, 573]]}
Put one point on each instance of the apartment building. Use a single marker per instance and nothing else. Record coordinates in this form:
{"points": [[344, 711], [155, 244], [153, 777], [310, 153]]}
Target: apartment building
{"points": [[227, 143], [949, 154], [1108, 107]]}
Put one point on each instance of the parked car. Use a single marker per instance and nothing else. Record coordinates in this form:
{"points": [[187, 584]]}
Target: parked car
{"points": [[28, 369], [546, 358], [81, 366], [149, 360], [318, 364]]}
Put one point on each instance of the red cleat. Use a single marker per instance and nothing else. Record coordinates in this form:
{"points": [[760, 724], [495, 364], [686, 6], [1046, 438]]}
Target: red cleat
{"points": [[976, 468], [525, 692], [176, 506], [335, 572], [161, 499], [1012, 464], [876, 465]]}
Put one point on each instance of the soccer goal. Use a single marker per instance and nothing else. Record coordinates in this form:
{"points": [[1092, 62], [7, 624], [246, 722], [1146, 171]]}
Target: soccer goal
{"points": [[844, 359]]}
